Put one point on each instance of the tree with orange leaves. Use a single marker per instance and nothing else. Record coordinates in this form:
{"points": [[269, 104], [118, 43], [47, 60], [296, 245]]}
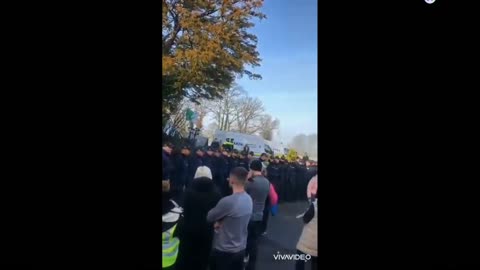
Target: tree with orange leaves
{"points": [[205, 45]]}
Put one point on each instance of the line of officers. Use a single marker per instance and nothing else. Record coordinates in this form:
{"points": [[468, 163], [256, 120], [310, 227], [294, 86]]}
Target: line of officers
{"points": [[179, 165]]}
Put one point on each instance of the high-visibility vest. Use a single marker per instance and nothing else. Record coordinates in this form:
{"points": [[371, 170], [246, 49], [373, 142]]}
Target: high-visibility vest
{"points": [[169, 247], [228, 145]]}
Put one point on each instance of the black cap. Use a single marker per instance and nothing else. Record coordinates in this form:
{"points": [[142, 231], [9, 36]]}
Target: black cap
{"points": [[235, 151], [263, 155], [199, 149], [211, 148], [256, 165], [186, 147], [251, 153]]}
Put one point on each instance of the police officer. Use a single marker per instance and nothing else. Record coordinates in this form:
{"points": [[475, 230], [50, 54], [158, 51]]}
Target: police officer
{"points": [[233, 160], [167, 164], [264, 160], [219, 167], [181, 173], [208, 160], [194, 162], [273, 172], [243, 160], [228, 144], [250, 157], [226, 172], [290, 185], [283, 179], [301, 181]]}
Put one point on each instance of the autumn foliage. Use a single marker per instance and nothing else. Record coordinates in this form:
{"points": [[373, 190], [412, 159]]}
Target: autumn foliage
{"points": [[205, 45]]}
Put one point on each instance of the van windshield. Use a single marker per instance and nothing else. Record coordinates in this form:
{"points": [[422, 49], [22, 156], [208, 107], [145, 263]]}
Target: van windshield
{"points": [[268, 150]]}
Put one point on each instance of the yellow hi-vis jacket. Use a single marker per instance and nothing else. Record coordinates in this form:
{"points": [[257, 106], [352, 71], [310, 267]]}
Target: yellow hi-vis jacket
{"points": [[228, 145], [169, 247]]}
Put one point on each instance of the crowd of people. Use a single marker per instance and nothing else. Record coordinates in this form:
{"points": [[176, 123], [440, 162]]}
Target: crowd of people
{"points": [[217, 203], [289, 178]]}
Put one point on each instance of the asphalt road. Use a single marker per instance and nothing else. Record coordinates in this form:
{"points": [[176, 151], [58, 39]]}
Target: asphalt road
{"points": [[282, 236]]}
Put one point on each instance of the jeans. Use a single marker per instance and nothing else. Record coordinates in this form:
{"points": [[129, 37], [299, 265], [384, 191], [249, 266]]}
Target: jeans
{"points": [[300, 265], [226, 261], [254, 232]]}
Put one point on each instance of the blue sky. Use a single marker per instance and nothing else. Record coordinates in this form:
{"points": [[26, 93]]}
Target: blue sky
{"points": [[287, 43]]}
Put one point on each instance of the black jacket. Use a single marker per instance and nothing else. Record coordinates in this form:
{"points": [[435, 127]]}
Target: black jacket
{"points": [[180, 177], [200, 197], [209, 162], [194, 162], [243, 162], [273, 172], [232, 163], [196, 234], [311, 172], [167, 166]]}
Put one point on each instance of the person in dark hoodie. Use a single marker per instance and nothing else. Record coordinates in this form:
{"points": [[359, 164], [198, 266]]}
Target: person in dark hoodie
{"points": [[196, 233]]}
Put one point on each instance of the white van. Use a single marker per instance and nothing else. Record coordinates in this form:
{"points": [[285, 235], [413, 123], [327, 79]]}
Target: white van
{"points": [[255, 143], [278, 148]]}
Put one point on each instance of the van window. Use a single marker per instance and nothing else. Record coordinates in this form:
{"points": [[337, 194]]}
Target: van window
{"points": [[268, 150]]}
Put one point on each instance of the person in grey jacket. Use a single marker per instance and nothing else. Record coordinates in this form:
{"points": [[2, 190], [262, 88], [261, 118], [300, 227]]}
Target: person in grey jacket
{"points": [[258, 188], [231, 216]]}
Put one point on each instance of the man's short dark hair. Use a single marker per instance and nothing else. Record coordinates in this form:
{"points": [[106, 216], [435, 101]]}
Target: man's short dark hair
{"points": [[240, 174], [256, 165]]}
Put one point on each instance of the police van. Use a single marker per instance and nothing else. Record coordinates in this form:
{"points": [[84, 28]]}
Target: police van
{"points": [[277, 148], [256, 144]]}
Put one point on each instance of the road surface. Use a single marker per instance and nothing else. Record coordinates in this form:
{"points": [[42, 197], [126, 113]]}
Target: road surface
{"points": [[282, 236]]}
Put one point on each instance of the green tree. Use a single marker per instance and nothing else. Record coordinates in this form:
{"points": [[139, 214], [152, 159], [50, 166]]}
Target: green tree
{"points": [[205, 45]]}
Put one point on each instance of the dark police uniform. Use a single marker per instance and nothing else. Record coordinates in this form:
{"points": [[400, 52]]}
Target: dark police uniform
{"points": [[194, 162], [180, 176], [273, 172], [302, 182], [243, 162], [283, 181], [291, 185]]}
